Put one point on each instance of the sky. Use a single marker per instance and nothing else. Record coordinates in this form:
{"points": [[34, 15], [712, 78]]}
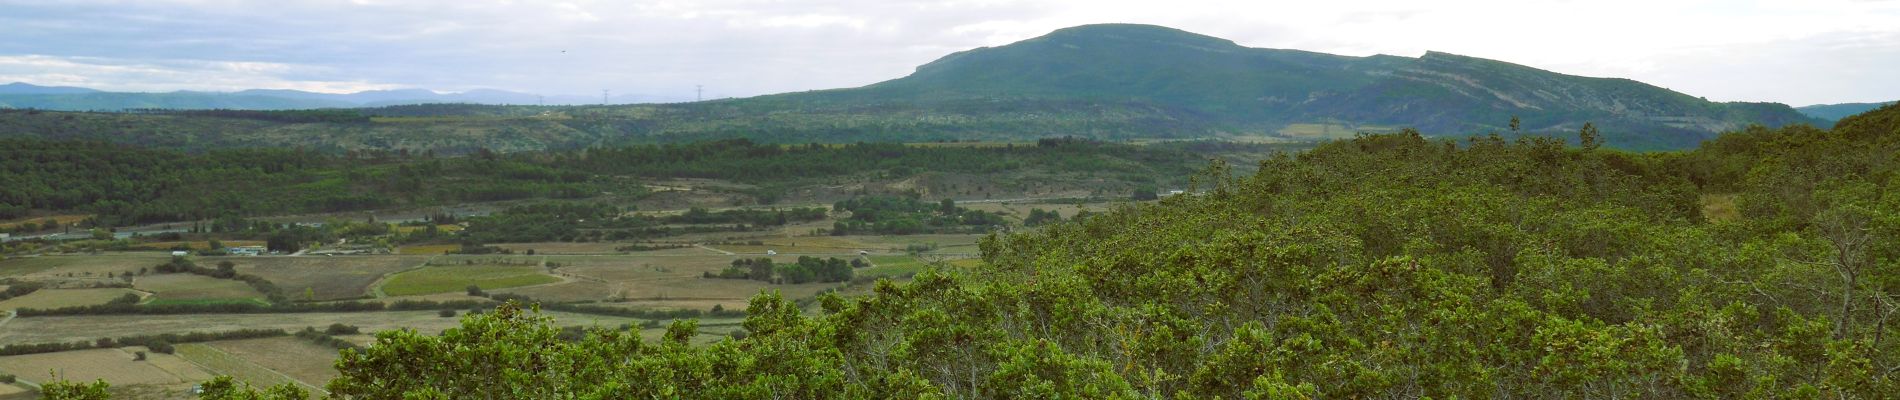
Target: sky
{"points": [[1798, 52]]}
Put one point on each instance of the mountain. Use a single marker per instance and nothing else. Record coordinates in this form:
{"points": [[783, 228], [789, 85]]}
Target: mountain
{"points": [[1110, 82], [1272, 90], [27, 88], [1834, 112]]}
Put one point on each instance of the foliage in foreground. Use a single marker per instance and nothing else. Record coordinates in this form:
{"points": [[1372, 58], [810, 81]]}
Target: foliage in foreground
{"points": [[1386, 266]]}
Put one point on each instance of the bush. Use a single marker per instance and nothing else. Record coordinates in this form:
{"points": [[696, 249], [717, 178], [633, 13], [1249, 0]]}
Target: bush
{"points": [[138, 356], [341, 329], [446, 313], [9, 378], [160, 346], [475, 291]]}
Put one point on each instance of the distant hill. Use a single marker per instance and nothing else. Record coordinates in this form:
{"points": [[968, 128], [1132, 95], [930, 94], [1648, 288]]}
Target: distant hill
{"points": [[23, 95], [1113, 82], [25, 88], [1271, 90], [1834, 112]]}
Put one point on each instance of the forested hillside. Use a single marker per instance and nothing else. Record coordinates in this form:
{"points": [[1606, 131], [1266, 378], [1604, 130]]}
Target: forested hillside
{"points": [[1761, 265], [128, 185]]}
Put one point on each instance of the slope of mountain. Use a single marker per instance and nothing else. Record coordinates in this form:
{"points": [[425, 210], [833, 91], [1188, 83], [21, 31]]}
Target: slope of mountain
{"points": [[1114, 81], [1834, 112], [1252, 89]]}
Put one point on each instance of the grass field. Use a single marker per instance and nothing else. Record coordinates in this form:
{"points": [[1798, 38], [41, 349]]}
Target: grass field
{"points": [[90, 327], [297, 358], [60, 298], [113, 365], [578, 290], [458, 278], [190, 288], [322, 278]]}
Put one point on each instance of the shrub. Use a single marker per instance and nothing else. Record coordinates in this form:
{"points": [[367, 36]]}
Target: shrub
{"points": [[160, 346], [446, 313]]}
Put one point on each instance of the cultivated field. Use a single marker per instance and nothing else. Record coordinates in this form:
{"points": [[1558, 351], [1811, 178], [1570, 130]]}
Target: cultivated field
{"points": [[564, 247], [297, 358], [113, 365], [322, 278], [444, 279], [61, 298], [78, 265], [89, 327], [192, 288], [267, 362]]}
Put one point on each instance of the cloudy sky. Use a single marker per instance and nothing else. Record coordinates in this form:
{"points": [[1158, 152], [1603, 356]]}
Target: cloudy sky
{"points": [[1793, 51]]}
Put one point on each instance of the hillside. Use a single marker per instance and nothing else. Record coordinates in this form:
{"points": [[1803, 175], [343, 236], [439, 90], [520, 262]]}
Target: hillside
{"points": [[1112, 82], [1834, 112]]}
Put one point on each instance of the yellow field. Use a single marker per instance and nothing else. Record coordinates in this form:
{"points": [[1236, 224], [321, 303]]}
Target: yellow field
{"points": [[113, 365], [60, 298]]}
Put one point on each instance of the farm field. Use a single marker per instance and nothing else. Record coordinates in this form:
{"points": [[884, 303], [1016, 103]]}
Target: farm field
{"points": [[113, 365], [191, 288], [61, 298], [563, 247], [27, 330], [79, 265], [197, 245], [267, 361], [322, 278], [444, 279], [427, 249]]}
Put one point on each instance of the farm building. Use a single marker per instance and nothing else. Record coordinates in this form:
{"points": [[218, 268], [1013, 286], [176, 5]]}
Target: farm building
{"points": [[245, 250]]}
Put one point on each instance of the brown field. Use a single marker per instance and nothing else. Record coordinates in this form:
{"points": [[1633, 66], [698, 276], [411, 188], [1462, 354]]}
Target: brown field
{"points": [[296, 358], [697, 304], [60, 298], [788, 249], [187, 287], [90, 327], [113, 365], [427, 250], [199, 245], [66, 219], [322, 278], [80, 265]]}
